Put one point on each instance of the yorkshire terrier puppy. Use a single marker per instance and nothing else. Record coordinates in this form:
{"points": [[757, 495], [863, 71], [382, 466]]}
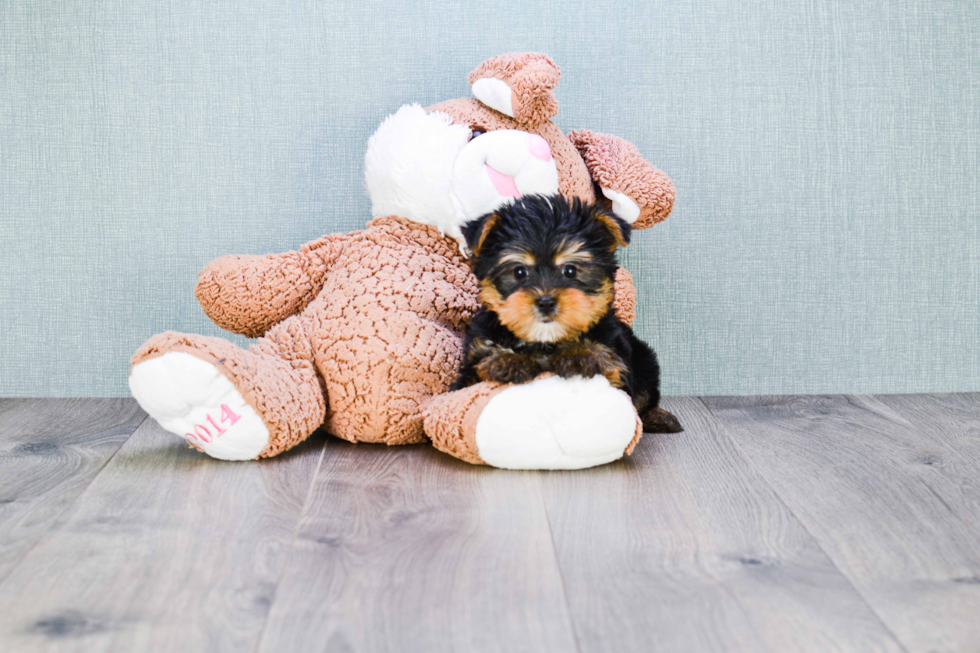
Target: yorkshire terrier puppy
{"points": [[546, 268]]}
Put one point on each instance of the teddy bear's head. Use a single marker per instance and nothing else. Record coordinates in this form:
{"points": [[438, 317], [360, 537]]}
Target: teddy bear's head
{"points": [[424, 166], [455, 161]]}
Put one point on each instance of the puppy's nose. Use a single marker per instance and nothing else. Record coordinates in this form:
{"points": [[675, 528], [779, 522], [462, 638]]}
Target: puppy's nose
{"points": [[546, 304]]}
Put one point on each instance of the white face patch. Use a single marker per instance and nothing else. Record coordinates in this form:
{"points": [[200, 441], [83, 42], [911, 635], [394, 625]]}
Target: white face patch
{"points": [[496, 168], [546, 331], [423, 167], [408, 167]]}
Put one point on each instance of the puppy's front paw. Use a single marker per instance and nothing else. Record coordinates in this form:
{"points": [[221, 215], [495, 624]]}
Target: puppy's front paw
{"points": [[505, 367], [590, 359]]}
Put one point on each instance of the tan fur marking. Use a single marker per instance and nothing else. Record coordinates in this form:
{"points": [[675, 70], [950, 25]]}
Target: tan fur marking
{"points": [[487, 228], [504, 366], [479, 348], [614, 376], [579, 311], [490, 296], [523, 258], [614, 228], [589, 359], [571, 253], [517, 313]]}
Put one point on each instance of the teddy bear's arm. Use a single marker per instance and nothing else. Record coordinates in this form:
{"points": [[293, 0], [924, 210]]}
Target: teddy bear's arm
{"points": [[250, 294], [640, 193], [624, 297]]}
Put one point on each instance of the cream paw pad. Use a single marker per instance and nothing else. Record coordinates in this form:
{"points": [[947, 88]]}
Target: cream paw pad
{"points": [[556, 423], [191, 398]]}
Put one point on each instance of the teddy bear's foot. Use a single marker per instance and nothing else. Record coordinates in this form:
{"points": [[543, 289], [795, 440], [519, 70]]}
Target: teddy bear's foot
{"points": [[191, 398], [232, 403], [549, 423]]}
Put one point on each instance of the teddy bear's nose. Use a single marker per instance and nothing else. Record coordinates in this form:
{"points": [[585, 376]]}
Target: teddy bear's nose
{"points": [[538, 147]]}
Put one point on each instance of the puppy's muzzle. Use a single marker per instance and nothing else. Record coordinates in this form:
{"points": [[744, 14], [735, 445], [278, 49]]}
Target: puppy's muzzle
{"points": [[546, 305]]}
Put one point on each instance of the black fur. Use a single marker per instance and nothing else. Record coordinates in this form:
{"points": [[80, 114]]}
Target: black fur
{"points": [[642, 381], [539, 225]]}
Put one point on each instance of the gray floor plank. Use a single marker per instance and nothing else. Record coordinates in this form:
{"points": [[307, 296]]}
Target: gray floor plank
{"points": [[889, 487], [951, 420], [406, 549], [166, 550], [50, 450], [683, 547], [770, 524]]}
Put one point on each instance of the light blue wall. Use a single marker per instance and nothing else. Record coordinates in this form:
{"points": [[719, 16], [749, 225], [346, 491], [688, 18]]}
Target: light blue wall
{"points": [[826, 155]]}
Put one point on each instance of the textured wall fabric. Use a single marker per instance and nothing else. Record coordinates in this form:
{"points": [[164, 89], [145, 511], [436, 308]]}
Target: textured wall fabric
{"points": [[826, 154]]}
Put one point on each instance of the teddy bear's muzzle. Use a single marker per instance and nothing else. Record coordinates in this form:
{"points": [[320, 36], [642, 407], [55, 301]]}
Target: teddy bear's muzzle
{"points": [[500, 166]]}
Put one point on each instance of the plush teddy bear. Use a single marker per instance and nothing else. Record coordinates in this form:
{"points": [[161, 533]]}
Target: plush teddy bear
{"points": [[362, 332]]}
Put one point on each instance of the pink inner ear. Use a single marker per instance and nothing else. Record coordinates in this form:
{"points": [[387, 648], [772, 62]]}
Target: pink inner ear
{"points": [[505, 185]]}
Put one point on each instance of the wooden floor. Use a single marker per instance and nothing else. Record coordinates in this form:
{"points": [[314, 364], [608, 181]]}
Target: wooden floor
{"points": [[839, 523]]}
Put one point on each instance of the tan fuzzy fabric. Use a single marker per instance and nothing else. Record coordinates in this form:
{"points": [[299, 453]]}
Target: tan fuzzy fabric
{"points": [[250, 294], [616, 164], [450, 420], [387, 329], [382, 336], [624, 297], [636, 438], [531, 78]]}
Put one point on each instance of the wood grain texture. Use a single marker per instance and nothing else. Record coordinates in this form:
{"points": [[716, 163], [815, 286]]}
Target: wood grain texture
{"points": [[889, 487], [50, 450], [770, 524], [407, 549], [683, 547], [167, 550]]}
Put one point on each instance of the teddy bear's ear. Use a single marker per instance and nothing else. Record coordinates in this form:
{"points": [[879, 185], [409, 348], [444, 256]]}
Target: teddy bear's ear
{"points": [[518, 85]]}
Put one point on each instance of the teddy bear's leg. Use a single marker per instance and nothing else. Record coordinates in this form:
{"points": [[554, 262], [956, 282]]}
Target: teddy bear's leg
{"points": [[382, 372], [549, 423], [233, 404]]}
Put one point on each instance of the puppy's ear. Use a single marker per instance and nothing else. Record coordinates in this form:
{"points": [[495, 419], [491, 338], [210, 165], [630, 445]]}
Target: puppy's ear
{"points": [[617, 227], [476, 232]]}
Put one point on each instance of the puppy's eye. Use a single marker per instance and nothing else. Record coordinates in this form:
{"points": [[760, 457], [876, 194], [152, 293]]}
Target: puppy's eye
{"points": [[477, 132], [569, 271], [520, 273]]}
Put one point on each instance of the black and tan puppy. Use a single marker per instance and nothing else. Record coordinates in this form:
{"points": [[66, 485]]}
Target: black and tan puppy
{"points": [[546, 268]]}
